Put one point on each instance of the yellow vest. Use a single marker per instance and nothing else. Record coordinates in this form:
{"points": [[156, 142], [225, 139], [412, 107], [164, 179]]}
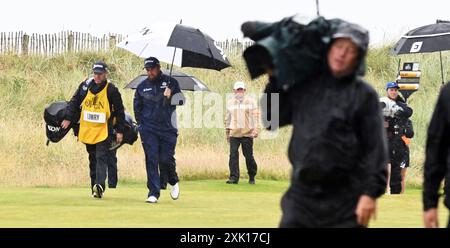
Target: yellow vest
{"points": [[94, 118]]}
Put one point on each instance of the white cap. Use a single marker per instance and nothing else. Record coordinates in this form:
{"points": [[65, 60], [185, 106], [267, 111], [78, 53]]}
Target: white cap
{"points": [[239, 85]]}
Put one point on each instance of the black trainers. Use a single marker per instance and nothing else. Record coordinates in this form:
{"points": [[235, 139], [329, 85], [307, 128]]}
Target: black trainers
{"points": [[232, 181], [98, 191], [251, 180]]}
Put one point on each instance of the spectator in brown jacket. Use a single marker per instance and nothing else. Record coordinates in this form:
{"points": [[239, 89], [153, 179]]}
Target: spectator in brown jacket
{"points": [[242, 126]]}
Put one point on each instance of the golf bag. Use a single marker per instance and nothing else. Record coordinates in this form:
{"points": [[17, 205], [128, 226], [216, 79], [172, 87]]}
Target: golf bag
{"points": [[54, 115], [130, 133]]}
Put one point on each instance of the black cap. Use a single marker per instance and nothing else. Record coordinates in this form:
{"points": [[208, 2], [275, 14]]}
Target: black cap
{"points": [[99, 67], [151, 62]]}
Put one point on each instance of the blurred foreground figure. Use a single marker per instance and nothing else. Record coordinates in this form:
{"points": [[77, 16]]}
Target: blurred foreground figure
{"points": [[338, 147], [436, 161]]}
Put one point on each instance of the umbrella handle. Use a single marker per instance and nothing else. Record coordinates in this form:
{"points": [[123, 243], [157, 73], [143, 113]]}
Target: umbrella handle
{"points": [[166, 100], [317, 7], [442, 68]]}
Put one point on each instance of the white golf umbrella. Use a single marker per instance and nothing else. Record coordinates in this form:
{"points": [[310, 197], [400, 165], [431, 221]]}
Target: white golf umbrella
{"points": [[183, 45], [152, 42]]}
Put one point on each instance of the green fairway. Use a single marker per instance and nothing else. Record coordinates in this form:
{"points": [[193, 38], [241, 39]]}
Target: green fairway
{"points": [[201, 204]]}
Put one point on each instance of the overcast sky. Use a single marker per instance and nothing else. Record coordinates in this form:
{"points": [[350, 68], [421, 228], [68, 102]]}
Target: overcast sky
{"points": [[386, 20]]}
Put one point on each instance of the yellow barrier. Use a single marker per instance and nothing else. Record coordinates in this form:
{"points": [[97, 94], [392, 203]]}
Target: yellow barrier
{"points": [[408, 86], [410, 74]]}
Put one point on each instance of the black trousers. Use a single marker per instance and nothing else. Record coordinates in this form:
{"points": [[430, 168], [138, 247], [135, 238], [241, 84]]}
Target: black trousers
{"points": [[100, 158], [163, 176], [247, 150], [112, 169], [159, 148], [396, 157], [310, 213]]}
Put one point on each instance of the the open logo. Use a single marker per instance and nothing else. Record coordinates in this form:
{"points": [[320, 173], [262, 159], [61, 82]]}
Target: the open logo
{"points": [[416, 46]]}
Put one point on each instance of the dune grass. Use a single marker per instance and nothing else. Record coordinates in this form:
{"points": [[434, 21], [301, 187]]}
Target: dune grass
{"points": [[29, 84], [44, 186]]}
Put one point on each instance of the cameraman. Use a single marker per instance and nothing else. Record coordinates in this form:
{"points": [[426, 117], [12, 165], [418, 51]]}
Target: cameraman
{"points": [[338, 148], [396, 114]]}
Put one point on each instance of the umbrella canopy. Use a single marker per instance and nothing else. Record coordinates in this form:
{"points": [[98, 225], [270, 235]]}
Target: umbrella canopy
{"points": [[425, 39], [198, 50], [186, 81], [152, 42]]}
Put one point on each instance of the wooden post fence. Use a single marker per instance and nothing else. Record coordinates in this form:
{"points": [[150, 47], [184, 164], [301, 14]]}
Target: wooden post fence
{"points": [[21, 43]]}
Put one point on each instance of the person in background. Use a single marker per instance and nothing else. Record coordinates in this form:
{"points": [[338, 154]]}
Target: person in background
{"points": [[395, 119], [241, 128]]}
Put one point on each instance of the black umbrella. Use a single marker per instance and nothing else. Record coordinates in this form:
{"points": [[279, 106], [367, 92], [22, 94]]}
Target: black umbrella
{"points": [[186, 81], [199, 49], [425, 39]]}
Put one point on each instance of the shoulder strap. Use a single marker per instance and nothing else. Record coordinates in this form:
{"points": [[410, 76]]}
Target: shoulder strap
{"points": [[109, 88], [85, 86], [83, 89]]}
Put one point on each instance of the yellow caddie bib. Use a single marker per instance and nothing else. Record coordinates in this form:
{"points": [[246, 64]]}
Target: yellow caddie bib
{"points": [[94, 118]]}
